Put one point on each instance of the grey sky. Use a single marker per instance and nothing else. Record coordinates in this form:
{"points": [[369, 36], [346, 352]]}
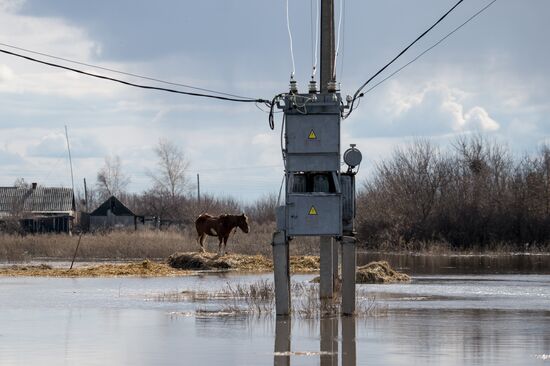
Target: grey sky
{"points": [[490, 77]]}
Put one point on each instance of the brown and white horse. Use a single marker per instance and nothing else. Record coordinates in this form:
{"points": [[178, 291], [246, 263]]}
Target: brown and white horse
{"points": [[220, 226]]}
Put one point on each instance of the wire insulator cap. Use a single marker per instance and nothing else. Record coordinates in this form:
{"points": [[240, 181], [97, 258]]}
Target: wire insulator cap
{"points": [[293, 87], [312, 87]]}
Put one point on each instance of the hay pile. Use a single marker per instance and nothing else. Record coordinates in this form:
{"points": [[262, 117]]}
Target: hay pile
{"points": [[376, 272], [145, 268], [178, 264], [379, 272], [238, 262]]}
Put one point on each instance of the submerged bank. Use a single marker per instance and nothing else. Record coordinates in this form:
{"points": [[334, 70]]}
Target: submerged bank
{"points": [[178, 264], [181, 264]]}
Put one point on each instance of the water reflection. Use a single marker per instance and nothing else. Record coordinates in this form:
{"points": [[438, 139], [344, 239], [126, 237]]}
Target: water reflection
{"points": [[461, 264], [329, 342], [282, 341]]}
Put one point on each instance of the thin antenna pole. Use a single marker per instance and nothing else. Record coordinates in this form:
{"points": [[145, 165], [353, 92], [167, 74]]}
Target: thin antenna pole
{"points": [[86, 195], [198, 191], [70, 158]]}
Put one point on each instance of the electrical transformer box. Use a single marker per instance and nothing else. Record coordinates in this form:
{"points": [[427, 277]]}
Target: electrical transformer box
{"points": [[314, 214], [312, 131], [313, 201]]}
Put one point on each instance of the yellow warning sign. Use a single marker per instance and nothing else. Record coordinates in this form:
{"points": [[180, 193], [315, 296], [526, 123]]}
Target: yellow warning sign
{"points": [[312, 135], [312, 211]]}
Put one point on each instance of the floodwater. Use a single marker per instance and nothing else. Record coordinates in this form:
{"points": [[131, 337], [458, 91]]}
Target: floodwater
{"points": [[491, 317]]}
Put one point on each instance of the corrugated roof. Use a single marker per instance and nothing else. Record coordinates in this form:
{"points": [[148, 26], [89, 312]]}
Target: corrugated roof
{"points": [[38, 200]]}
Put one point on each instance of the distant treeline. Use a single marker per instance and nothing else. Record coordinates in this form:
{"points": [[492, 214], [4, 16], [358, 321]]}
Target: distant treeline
{"points": [[185, 208], [475, 196]]}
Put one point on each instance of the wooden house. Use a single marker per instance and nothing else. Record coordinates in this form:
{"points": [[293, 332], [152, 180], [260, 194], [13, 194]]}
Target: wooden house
{"points": [[113, 214], [38, 209]]}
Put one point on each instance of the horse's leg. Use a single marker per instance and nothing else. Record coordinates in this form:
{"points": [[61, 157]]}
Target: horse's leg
{"points": [[201, 242], [220, 238], [225, 243]]}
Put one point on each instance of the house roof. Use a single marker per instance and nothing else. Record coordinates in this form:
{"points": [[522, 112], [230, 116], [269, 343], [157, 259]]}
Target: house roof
{"points": [[116, 207], [37, 200]]}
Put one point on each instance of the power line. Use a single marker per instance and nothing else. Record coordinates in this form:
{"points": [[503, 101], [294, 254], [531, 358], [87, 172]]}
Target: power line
{"points": [[338, 39], [122, 72], [252, 167], [243, 100], [356, 95], [431, 47], [341, 77], [314, 70], [290, 39]]}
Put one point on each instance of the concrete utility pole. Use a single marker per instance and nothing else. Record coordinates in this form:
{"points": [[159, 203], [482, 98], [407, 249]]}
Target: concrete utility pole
{"points": [[327, 44], [319, 198]]}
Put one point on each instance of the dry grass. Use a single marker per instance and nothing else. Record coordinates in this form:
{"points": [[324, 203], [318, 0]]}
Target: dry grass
{"points": [[132, 245], [113, 246], [259, 299]]}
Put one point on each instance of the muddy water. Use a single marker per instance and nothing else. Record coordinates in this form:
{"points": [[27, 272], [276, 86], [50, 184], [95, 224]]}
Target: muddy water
{"points": [[438, 319]]}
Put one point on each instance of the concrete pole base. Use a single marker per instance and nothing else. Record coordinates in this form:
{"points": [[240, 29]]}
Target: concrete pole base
{"points": [[349, 264], [281, 270], [326, 284]]}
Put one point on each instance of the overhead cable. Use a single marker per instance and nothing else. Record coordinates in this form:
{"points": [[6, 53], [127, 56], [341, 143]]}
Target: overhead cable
{"points": [[337, 40], [122, 72], [357, 93], [314, 71], [232, 99], [341, 75], [431, 47], [290, 38]]}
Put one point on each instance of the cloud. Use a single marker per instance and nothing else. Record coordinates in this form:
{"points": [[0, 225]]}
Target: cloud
{"points": [[10, 5], [6, 74], [429, 109], [54, 145], [479, 119], [9, 158]]}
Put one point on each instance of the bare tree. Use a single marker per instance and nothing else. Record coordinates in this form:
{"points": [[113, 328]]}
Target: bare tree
{"points": [[111, 181], [170, 178], [20, 183]]}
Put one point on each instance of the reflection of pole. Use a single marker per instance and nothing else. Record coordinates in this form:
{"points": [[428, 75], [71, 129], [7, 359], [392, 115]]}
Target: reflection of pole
{"points": [[282, 342], [281, 270], [329, 341], [349, 352]]}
